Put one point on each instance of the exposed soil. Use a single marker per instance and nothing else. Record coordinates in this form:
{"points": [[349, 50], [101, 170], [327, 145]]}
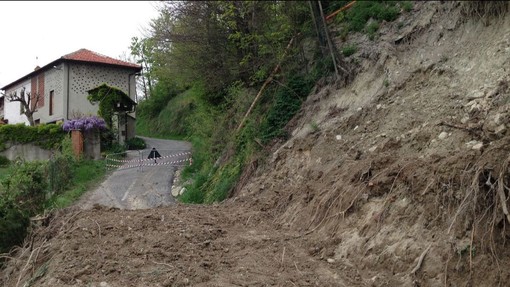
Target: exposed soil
{"points": [[403, 183]]}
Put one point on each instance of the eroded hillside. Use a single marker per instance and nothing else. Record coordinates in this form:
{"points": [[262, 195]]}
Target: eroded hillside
{"points": [[398, 179]]}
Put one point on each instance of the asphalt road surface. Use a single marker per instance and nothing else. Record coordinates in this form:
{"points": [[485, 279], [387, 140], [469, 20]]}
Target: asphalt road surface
{"points": [[141, 183]]}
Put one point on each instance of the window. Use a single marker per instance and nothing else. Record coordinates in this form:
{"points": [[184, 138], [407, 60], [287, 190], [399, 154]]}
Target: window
{"points": [[37, 122], [51, 102]]}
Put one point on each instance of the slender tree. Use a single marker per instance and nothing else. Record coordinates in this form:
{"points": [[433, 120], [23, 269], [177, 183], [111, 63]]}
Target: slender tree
{"points": [[27, 101], [142, 50]]}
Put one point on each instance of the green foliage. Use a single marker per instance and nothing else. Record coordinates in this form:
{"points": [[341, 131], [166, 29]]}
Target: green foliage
{"points": [[163, 92], [143, 52], [363, 11], [164, 112], [194, 193], [25, 188], [222, 182], [13, 228], [210, 129], [135, 143], [4, 161], [47, 136], [371, 29], [287, 101], [214, 43], [66, 147], [110, 100], [59, 174], [207, 79], [349, 50], [84, 174], [407, 6], [59, 169], [108, 139], [4, 172], [116, 148]]}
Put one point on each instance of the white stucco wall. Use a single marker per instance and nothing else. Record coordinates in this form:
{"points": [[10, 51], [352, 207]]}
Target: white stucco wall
{"points": [[12, 109]]}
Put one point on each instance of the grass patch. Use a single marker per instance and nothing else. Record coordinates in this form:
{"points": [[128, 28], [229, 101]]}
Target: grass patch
{"points": [[349, 50], [366, 16], [362, 11], [4, 172], [371, 29], [86, 174], [407, 6]]}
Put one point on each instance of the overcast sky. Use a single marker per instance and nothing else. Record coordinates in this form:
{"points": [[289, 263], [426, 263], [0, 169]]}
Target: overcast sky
{"points": [[37, 33]]}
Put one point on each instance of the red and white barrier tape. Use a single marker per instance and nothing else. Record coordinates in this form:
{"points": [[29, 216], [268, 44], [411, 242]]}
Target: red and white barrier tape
{"points": [[152, 164], [149, 159]]}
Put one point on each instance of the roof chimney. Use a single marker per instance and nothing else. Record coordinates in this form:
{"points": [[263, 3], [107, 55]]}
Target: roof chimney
{"points": [[36, 68]]}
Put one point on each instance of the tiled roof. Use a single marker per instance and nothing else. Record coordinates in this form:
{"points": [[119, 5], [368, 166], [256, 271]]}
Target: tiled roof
{"points": [[90, 56], [82, 55]]}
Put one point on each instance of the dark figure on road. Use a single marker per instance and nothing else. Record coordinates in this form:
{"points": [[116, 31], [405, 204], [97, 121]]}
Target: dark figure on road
{"points": [[154, 154]]}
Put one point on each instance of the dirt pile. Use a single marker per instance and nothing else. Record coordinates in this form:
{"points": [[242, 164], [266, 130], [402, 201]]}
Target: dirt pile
{"points": [[399, 179]]}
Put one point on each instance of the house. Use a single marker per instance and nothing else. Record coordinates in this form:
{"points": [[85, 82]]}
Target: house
{"points": [[63, 87]]}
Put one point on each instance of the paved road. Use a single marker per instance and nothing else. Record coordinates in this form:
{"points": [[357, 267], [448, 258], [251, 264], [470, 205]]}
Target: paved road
{"points": [[142, 187]]}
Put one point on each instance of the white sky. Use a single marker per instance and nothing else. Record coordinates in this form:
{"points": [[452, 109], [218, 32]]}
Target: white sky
{"points": [[49, 30]]}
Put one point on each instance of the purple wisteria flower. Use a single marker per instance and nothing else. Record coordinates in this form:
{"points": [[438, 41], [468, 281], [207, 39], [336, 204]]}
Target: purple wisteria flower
{"points": [[85, 124]]}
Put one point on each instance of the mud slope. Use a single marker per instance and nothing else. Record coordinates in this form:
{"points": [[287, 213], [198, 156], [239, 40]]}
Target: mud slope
{"points": [[398, 179]]}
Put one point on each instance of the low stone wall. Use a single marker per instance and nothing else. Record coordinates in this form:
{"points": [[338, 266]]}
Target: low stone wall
{"points": [[28, 152]]}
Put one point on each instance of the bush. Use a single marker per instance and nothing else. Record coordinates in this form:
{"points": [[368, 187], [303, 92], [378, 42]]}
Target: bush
{"points": [[108, 139], [287, 103], [194, 193], [135, 143], [46, 136], [30, 187], [223, 182], [59, 173], [25, 187], [362, 11], [4, 161], [81, 176], [13, 228], [116, 148]]}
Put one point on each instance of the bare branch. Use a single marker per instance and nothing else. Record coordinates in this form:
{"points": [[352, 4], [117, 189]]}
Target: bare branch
{"points": [[28, 102]]}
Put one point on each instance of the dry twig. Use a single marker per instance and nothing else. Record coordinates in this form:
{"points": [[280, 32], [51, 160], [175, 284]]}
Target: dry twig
{"points": [[501, 189], [162, 263], [471, 250], [283, 254], [98, 227], [420, 260]]}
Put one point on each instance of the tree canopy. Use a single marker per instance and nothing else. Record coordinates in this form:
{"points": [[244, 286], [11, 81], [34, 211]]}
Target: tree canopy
{"points": [[218, 42]]}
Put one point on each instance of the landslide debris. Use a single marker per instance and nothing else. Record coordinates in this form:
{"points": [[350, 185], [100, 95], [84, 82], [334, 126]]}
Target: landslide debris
{"points": [[398, 179]]}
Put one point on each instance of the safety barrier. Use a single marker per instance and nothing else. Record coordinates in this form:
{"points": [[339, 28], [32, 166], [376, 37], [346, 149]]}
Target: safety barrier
{"points": [[139, 159], [149, 159]]}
